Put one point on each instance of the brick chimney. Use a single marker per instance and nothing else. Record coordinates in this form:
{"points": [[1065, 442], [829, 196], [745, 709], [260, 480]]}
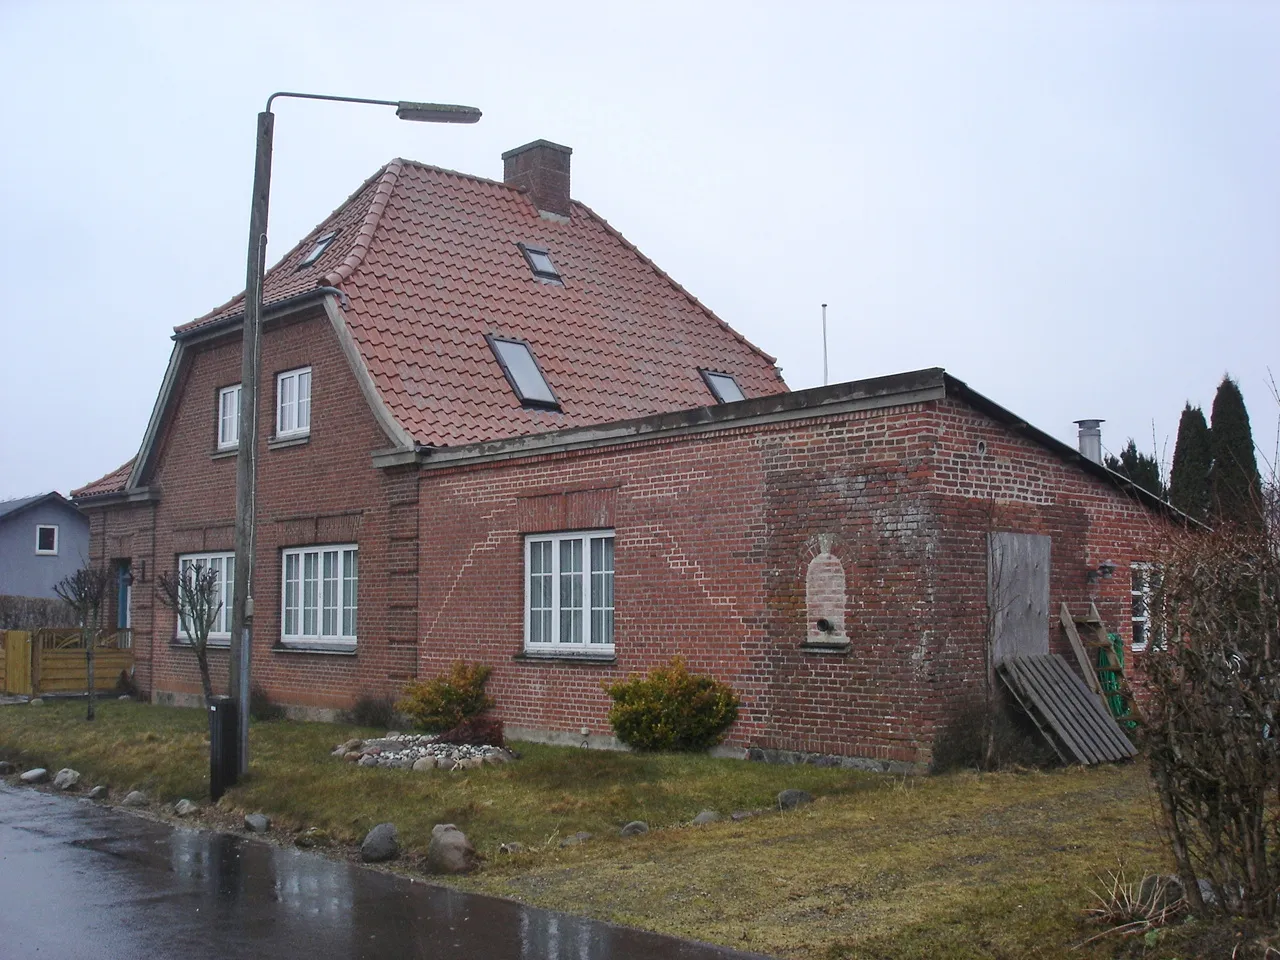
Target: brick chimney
{"points": [[541, 169]]}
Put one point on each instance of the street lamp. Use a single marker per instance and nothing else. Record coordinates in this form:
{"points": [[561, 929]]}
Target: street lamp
{"points": [[246, 468]]}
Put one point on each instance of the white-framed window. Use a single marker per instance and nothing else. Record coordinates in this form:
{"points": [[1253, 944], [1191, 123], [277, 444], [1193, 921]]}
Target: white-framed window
{"points": [[47, 539], [318, 594], [568, 589], [1144, 579], [293, 403], [223, 566], [229, 417]]}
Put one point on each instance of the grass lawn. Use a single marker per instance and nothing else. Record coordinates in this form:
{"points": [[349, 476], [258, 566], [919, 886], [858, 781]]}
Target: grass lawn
{"points": [[965, 865]]}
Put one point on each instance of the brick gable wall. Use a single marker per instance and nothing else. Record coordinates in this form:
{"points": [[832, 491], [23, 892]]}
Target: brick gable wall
{"points": [[323, 491]]}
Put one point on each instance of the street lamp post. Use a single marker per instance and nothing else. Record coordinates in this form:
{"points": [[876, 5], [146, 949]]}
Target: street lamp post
{"points": [[246, 467]]}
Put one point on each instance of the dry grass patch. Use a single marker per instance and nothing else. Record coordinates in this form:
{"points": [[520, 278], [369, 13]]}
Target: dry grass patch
{"points": [[956, 866]]}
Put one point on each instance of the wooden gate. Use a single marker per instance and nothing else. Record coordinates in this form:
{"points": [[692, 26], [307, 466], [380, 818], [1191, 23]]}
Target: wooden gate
{"points": [[58, 666], [15, 662]]}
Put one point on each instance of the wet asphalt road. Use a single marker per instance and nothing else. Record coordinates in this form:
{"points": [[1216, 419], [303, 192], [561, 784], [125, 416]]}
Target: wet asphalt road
{"points": [[80, 881]]}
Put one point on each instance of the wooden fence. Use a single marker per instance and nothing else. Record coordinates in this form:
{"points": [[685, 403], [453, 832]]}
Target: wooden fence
{"points": [[52, 660]]}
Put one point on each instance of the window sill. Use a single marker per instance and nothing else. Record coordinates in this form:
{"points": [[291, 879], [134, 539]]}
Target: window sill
{"points": [[211, 644], [825, 646], [224, 454], [46, 553], [587, 659], [293, 440], [327, 649]]}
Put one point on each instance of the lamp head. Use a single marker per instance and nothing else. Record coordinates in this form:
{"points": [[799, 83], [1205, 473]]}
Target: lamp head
{"points": [[436, 112]]}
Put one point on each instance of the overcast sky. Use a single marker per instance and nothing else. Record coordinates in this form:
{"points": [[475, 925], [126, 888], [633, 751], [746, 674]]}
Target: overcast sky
{"points": [[1073, 207]]}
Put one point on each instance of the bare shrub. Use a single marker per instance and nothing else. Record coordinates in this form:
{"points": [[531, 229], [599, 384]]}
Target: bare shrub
{"points": [[83, 592], [1210, 722], [372, 711], [977, 737], [1123, 907], [194, 595]]}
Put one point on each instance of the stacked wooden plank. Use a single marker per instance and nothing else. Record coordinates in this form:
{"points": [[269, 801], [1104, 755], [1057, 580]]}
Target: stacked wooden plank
{"points": [[1073, 718]]}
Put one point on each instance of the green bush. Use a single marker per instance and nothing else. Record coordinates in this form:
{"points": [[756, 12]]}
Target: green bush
{"points": [[442, 703], [672, 709]]}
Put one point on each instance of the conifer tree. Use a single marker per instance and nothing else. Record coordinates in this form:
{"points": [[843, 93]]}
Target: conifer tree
{"points": [[1138, 467], [1192, 460], [1234, 484]]}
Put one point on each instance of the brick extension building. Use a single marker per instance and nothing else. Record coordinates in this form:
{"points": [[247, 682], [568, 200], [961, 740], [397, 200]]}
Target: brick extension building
{"points": [[484, 415]]}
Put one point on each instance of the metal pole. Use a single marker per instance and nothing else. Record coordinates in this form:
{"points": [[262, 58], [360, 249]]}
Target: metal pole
{"points": [[246, 466], [825, 381]]}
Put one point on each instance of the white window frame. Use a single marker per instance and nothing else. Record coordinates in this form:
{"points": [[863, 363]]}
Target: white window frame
{"points": [[220, 635], [1143, 570], [293, 419], [229, 417], [47, 526], [597, 634], [295, 628]]}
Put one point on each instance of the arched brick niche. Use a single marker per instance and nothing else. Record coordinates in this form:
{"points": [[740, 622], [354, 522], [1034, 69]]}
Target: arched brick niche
{"points": [[824, 594]]}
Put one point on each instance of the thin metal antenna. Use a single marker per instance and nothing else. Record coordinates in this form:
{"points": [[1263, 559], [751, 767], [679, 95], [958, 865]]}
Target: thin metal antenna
{"points": [[825, 380]]}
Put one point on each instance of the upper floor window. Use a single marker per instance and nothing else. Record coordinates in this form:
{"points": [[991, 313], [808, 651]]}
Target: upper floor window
{"points": [[223, 568], [522, 372], [319, 602], [47, 539], [293, 403], [722, 386], [539, 261], [228, 417], [322, 244]]}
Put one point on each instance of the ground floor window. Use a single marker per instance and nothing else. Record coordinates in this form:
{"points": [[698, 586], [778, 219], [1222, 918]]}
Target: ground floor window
{"points": [[1144, 581], [223, 566], [319, 594], [569, 592]]}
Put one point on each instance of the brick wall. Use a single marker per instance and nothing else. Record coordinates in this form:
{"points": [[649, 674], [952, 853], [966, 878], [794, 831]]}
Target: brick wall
{"points": [[717, 537]]}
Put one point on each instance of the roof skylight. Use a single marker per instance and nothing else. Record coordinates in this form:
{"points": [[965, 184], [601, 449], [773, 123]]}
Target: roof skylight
{"points": [[723, 386], [539, 261], [322, 244], [522, 372]]}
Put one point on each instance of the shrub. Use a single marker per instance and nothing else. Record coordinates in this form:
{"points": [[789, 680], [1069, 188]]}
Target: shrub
{"points": [[672, 709], [372, 711], [476, 732], [442, 703], [975, 737], [262, 708]]}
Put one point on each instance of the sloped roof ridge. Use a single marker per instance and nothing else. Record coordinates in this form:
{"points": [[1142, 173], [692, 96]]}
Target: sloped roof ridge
{"points": [[387, 178], [355, 194], [422, 165], [613, 231]]}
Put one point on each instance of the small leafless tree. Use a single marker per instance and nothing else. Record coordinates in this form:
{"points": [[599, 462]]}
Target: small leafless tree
{"points": [[194, 595], [84, 591], [1213, 667]]}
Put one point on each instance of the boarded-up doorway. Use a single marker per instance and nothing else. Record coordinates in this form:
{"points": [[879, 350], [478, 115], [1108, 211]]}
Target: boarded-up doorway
{"points": [[1018, 594]]}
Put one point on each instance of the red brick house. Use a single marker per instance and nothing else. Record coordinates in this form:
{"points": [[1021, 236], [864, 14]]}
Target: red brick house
{"points": [[492, 430]]}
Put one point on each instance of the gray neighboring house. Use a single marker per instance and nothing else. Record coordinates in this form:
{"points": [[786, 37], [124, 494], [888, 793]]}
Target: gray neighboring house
{"points": [[42, 539]]}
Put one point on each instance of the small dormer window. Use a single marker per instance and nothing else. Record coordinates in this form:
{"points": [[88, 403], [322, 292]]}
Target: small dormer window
{"points": [[722, 386], [322, 244], [539, 261], [522, 372]]}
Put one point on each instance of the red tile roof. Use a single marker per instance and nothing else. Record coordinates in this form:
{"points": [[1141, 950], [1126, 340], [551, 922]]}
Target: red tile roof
{"points": [[429, 264], [429, 261], [113, 482]]}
